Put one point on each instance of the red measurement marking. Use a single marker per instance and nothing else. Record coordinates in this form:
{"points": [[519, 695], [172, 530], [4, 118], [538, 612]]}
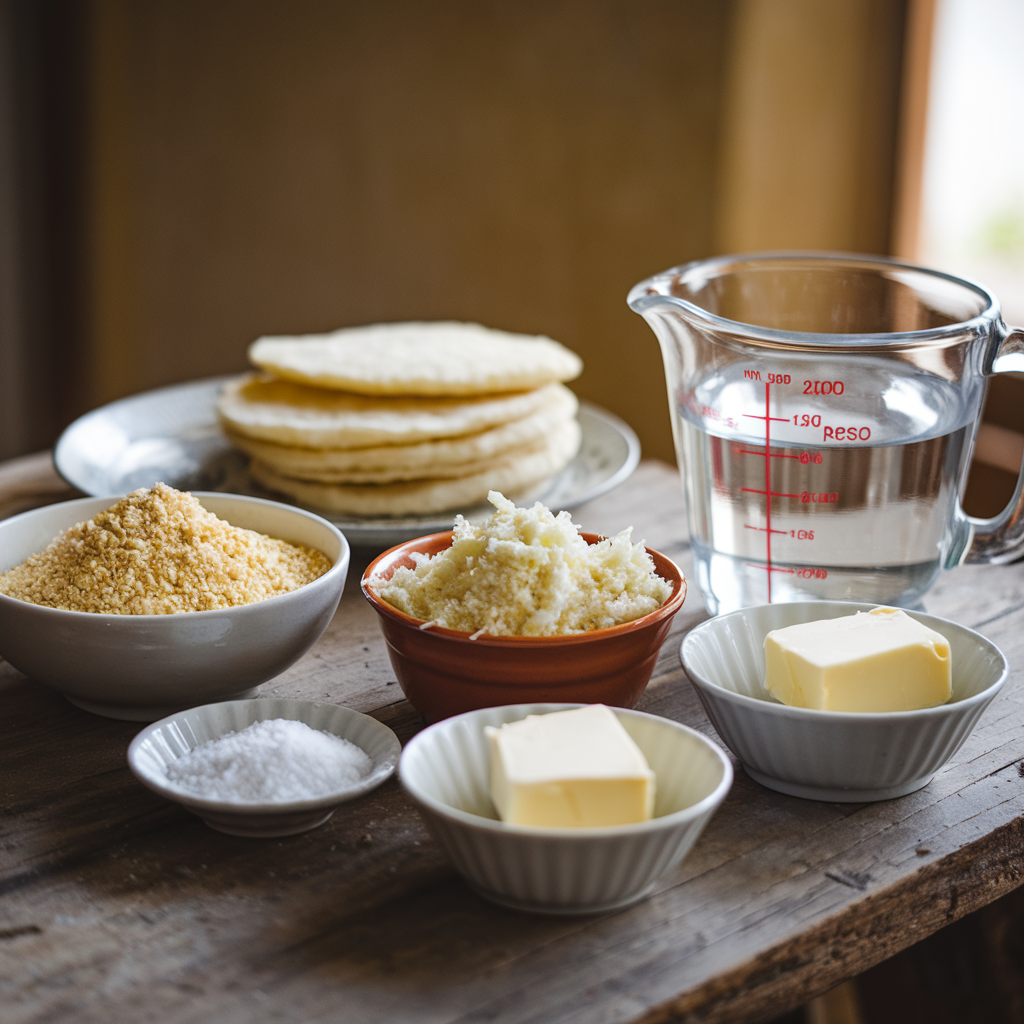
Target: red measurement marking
{"points": [[774, 455], [824, 387], [847, 433], [804, 420], [805, 496], [771, 494]]}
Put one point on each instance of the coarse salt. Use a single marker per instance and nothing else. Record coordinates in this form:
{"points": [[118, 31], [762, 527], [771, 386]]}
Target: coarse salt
{"points": [[271, 761]]}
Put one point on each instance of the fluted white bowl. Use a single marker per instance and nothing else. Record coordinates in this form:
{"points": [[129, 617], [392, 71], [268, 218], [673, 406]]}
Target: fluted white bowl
{"points": [[445, 769], [832, 755], [165, 741]]}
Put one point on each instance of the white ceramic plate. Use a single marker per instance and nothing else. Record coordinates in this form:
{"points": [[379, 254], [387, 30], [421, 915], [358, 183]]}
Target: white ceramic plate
{"points": [[172, 435]]}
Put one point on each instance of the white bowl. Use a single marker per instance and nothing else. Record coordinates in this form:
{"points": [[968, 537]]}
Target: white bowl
{"points": [[832, 755], [445, 769], [163, 742], [143, 667]]}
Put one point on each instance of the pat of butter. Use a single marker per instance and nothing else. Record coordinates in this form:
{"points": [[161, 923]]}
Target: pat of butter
{"points": [[882, 660], [569, 769]]}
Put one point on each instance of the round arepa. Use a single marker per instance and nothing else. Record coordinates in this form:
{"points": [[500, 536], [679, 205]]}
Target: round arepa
{"points": [[446, 457], [429, 358], [282, 412], [514, 476]]}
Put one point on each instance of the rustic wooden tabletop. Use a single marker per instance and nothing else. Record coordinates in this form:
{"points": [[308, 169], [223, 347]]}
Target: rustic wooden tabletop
{"points": [[116, 906]]}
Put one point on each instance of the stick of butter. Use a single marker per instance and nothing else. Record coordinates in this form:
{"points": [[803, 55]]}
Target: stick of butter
{"points": [[882, 660], [569, 769]]}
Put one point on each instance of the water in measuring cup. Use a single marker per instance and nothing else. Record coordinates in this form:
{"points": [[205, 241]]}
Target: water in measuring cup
{"points": [[853, 499]]}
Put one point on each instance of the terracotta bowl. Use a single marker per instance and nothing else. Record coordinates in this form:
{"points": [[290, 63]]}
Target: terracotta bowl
{"points": [[443, 673]]}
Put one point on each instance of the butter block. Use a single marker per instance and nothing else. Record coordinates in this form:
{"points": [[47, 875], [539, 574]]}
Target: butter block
{"points": [[569, 769], [882, 660]]}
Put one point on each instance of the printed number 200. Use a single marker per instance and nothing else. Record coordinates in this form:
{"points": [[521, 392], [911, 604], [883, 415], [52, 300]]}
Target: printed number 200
{"points": [[823, 387]]}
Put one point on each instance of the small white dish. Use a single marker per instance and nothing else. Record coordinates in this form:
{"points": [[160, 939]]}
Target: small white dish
{"points": [[832, 755], [445, 769], [163, 742], [143, 667]]}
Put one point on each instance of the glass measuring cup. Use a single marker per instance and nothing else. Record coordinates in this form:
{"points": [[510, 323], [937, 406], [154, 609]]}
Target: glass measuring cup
{"points": [[824, 408]]}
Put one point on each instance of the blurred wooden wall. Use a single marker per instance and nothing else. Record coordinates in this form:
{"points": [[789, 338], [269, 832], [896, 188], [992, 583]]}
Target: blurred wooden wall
{"points": [[811, 122], [262, 167], [252, 166]]}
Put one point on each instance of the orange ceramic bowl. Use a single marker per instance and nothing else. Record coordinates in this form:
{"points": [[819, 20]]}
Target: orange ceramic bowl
{"points": [[443, 673]]}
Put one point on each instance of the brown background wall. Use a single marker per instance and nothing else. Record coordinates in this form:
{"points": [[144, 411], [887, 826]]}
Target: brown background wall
{"points": [[261, 167], [811, 118], [228, 168], [284, 168]]}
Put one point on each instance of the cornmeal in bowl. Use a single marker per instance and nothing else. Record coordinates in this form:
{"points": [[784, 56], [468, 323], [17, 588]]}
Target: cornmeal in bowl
{"points": [[156, 552]]}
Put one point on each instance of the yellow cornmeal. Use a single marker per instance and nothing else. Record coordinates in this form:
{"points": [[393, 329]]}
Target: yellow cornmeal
{"points": [[156, 552], [526, 572]]}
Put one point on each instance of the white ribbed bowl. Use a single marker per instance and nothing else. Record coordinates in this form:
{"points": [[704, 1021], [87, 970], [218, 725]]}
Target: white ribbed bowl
{"points": [[445, 769], [832, 755], [165, 741]]}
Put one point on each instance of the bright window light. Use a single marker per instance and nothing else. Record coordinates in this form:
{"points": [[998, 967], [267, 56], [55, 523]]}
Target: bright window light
{"points": [[972, 218]]}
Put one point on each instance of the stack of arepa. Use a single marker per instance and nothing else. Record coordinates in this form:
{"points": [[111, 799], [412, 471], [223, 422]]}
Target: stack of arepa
{"points": [[404, 419]]}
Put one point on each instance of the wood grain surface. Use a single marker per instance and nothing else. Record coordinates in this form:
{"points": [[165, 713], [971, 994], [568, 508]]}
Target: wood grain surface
{"points": [[116, 906]]}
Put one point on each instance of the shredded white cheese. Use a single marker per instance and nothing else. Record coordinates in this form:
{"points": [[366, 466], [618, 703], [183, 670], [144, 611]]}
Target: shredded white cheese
{"points": [[527, 572]]}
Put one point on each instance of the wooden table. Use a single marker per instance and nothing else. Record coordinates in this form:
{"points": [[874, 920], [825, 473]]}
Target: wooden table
{"points": [[116, 906]]}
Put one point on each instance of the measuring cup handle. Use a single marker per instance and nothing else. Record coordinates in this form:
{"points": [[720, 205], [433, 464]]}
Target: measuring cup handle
{"points": [[1001, 539]]}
